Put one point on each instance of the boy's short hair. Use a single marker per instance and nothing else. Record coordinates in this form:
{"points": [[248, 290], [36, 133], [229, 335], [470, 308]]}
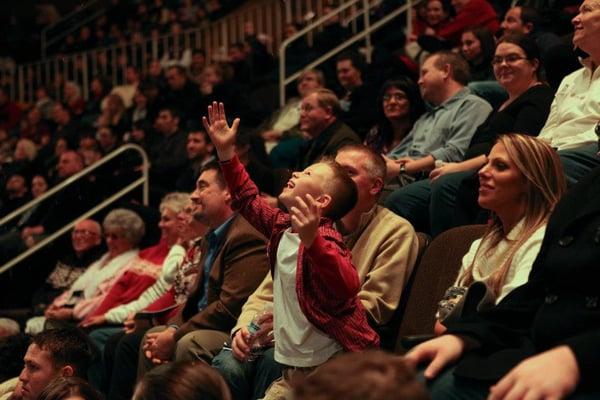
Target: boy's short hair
{"points": [[375, 376], [67, 346], [342, 190]]}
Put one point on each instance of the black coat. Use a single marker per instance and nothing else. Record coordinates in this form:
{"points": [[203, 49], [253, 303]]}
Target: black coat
{"points": [[559, 305]]}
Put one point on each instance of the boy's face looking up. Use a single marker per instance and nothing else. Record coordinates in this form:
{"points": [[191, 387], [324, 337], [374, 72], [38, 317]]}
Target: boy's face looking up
{"points": [[310, 181]]}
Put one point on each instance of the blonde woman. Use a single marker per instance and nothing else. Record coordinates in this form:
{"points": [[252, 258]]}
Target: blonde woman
{"points": [[520, 183]]}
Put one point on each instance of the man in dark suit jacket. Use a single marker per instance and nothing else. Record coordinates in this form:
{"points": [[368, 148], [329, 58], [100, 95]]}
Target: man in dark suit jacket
{"points": [[319, 121], [543, 340], [233, 264]]}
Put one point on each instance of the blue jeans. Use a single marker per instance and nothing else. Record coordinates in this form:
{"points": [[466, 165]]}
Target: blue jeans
{"points": [[428, 206], [248, 380], [96, 369], [446, 386], [578, 162]]}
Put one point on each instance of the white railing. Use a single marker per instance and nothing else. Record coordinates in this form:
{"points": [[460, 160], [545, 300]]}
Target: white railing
{"points": [[267, 16], [141, 181], [365, 34]]}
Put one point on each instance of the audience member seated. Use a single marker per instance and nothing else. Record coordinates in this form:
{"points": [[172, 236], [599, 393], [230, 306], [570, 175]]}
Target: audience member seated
{"points": [[65, 125], [72, 98], [86, 239], [401, 107], [384, 250], [310, 326], [222, 285], [13, 346], [114, 115], [182, 380], [43, 102], [357, 96], [23, 160], [575, 110], [181, 93], [53, 353], [10, 112], [139, 279], [469, 14], [39, 186], [477, 47], [319, 121], [431, 203], [370, 375], [517, 349], [520, 184], [128, 89], [281, 131], [107, 140], [123, 230], [16, 194], [555, 53], [33, 127], [199, 153], [444, 132], [71, 387], [169, 156], [77, 196], [159, 303], [437, 15]]}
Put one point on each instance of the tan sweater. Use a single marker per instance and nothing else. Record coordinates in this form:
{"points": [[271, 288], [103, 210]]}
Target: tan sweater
{"points": [[384, 251]]}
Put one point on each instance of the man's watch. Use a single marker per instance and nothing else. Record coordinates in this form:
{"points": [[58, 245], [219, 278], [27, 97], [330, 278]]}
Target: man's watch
{"points": [[402, 169]]}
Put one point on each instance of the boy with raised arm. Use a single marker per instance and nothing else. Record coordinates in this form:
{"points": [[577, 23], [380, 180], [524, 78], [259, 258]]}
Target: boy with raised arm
{"points": [[315, 304]]}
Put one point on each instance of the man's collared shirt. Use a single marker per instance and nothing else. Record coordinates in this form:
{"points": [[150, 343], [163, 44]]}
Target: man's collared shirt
{"points": [[214, 238], [445, 131]]}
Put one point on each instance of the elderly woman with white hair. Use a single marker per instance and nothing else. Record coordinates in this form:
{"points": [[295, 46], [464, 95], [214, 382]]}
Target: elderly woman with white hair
{"points": [[123, 231]]}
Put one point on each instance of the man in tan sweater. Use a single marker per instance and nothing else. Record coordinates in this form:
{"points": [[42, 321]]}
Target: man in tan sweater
{"points": [[384, 250]]}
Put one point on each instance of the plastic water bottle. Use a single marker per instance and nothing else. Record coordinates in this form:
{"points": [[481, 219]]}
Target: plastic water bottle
{"points": [[256, 348]]}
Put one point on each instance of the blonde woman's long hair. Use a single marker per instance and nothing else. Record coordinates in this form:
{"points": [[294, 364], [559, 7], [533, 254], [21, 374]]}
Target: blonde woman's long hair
{"points": [[545, 183]]}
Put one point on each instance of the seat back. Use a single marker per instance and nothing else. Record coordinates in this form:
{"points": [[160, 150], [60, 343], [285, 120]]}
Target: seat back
{"points": [[389, 332], [431, 277]]}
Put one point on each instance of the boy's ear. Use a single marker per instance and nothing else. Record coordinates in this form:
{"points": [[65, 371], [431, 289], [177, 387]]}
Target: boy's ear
{"points": [[324, 200]]}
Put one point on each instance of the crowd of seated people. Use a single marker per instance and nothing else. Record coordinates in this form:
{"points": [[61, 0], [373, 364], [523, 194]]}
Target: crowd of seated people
{"points": [[259, 283]]}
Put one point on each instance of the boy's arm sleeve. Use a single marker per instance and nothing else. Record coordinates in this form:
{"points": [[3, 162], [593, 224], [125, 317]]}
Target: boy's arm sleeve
{"points": [[246, 197], [333, 262]]}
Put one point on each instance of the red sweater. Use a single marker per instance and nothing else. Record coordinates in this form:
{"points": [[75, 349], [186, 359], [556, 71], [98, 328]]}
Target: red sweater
{"points": [[474, 14], [327, 283], [140, 276]]}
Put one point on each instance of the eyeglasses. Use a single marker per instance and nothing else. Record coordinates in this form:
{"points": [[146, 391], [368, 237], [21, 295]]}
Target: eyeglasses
{"points": [[509, 59], [307, 108], [83, 232], [394, 96]]}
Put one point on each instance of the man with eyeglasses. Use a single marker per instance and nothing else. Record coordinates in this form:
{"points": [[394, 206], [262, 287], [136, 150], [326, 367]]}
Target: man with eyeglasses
{"points": [[319, 121], [86, 238]]}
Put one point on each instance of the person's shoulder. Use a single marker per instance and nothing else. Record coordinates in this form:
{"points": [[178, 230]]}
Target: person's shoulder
{"points": [[241, 229], [384, 218]]}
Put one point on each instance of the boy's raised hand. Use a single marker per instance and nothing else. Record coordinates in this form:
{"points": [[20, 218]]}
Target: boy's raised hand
{"points": [[221, 134], [305, 219]]}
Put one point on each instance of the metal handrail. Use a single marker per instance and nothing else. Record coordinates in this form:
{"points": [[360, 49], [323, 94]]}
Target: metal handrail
{"points": [[80, 174], [369, 28], [143, 180]]}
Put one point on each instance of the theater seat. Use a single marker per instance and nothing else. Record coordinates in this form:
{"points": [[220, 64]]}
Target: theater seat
{"points": [[435, 272]]}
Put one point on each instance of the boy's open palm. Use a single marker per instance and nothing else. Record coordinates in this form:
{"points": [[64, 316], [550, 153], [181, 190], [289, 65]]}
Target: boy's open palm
{"points": [[221, 134], [305, 219]]}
